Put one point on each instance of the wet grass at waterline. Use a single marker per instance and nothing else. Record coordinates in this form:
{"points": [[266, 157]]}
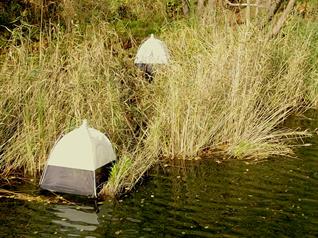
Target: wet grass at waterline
{"points": [[227, 90]]}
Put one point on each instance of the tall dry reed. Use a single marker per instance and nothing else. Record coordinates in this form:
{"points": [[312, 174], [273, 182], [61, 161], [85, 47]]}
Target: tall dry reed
{"points": [[47, 90], [227, 90]]}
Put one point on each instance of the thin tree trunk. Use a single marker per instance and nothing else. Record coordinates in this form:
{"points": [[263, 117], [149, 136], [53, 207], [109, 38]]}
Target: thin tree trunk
{"points": [[248, 13], [257, 8], [200, 6], [268, 4], [273, 8], [185, 7], [212, 5], [278, 26]]}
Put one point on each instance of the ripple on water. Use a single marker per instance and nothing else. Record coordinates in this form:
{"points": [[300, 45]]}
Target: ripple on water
{"points": [[277, 198]]}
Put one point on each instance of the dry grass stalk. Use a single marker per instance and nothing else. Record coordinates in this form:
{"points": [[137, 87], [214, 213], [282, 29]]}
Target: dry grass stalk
{"points": [[227, 88], [42, 99], [226, 91]]}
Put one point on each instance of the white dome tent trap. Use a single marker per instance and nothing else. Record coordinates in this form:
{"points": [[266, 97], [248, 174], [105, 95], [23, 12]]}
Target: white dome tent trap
{"points": [[151, 52], [76, 161]]}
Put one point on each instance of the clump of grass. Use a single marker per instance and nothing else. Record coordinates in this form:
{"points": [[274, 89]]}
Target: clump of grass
{"points": [[48, 88], [130, 169], [118, 173], [227, 89]]}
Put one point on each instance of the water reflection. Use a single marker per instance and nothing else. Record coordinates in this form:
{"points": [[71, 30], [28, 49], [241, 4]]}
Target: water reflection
{"points": [[277, 198], [80, 218]]}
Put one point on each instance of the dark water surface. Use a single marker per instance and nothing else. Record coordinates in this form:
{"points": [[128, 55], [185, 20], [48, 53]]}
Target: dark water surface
{"points": [[277, 198]]}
